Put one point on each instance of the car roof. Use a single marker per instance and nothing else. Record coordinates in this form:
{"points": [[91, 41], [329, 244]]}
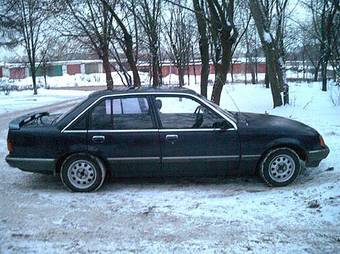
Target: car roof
{"points": [[150, 90]]}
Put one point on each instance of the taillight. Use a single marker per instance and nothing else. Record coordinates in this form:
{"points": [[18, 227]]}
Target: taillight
{"points": [[322, 142], [9, 145]]}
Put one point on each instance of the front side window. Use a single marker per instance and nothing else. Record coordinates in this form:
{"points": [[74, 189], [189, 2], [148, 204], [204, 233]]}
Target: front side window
{"points": [[121, 114], [177, 112]]}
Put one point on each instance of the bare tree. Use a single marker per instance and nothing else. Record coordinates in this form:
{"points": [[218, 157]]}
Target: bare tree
{"points": [[329, 9], [324, 36], [270, 48], [200, 13], [148, 13], [179, 34], [9, 33], [90, 22], [335, 43], [223, 34], [126, 41], [27, 19]]}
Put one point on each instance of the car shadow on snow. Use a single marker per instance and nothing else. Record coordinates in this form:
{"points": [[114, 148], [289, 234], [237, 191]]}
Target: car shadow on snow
{"points": [[33, 182], [244, 183]]}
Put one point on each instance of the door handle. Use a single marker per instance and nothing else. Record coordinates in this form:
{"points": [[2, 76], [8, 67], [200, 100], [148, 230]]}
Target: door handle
{"points": [[171, 138], [98, 139]]}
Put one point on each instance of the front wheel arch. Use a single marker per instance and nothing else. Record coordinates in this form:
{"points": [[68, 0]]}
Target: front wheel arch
{"points": [[264, 166], [296, 148]]}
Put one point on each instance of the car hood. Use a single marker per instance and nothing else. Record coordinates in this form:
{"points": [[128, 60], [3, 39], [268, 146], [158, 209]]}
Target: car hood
{"points": [[267, 122]]}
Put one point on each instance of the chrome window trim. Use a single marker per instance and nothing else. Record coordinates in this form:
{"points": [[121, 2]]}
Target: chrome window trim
{"points": [[187, 130], [147, 130], [151, 94], [75, 131]]}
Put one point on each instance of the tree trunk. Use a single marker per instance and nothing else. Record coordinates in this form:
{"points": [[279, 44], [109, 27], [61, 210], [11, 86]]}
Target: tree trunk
{"points": [[316, 71], [203, 46], [324, 74], [275, 75], [232, 72], [273, 80], [180, 76], [128, 50], [34, 80], [245, 71], [252, 69], [130, 59], [135, 75], [33, 71], [325, 55], [266, 79], [221, 73], [107, 69], [155, 70]]}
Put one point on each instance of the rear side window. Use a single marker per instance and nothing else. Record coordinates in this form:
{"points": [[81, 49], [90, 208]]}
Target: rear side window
{"points": [[101, 118], [121, 114], [80, 124]]}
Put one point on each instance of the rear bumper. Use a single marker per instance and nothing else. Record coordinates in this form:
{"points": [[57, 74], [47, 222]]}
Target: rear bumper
{"points": [[314, 157], [36, 165]]}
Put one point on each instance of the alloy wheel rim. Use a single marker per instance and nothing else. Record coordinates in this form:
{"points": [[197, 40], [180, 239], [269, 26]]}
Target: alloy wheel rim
{"points": [[81, 174], [281, 168]]}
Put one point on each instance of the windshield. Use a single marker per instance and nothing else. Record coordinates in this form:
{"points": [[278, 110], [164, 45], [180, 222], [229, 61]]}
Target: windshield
{"points": [[218, 108]]}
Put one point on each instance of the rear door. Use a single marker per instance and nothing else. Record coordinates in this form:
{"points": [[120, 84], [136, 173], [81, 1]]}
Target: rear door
{"points": [[122, 130], [192, 140]]}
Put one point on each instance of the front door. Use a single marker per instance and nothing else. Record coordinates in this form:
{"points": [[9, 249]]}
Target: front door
{"points": [[122, 130], [195, 139]]}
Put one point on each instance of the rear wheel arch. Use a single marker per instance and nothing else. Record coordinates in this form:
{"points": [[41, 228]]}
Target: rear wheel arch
{"points": [[64, 157], [82, 172]]}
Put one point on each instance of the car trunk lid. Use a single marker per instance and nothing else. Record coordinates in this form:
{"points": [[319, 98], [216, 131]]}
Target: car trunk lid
{"points": [[33, 119]]}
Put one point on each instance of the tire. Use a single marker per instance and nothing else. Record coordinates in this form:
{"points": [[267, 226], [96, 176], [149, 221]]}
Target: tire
{"points": [[280, 167], [82, 173]]}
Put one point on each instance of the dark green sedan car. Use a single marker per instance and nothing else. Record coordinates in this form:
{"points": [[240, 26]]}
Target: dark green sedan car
{"points": [[160, 132]]}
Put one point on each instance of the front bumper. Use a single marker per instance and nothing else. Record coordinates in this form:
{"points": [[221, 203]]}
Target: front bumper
{"points": [[314, 157], [36, 165]]}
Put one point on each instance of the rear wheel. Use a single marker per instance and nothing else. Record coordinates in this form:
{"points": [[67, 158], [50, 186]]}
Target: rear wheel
{"points": [[280, 167], [82, 173]]}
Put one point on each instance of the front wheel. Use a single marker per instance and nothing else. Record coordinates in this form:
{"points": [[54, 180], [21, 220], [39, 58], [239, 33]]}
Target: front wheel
{"points": [[82, 173], [280, 167]]}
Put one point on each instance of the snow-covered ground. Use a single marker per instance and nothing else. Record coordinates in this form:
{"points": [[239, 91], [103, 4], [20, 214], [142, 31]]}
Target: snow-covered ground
{"points": [[233, 215]]}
